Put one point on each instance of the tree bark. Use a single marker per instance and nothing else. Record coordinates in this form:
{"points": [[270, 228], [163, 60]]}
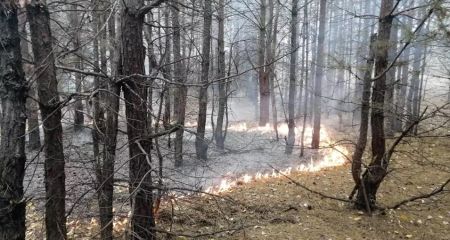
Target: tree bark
{"points": [[13, 91], [34, 139], [201, 146], [181, 90], [78, 120], [307, 76], [49, 104], [389, 101], [219, 134], [377, 169], [292, 78], [364, 118], [131, 62], [264, 87], [402, 87], [272, 66], [319, 75], [105, 167]]}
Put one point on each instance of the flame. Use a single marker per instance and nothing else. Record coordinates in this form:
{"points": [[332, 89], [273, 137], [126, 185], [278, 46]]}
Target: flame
{"points": [[332, 156]]}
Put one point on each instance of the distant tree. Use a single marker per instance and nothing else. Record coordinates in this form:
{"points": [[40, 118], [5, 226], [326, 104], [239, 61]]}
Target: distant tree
{"points": [[201, 146], [180, 90], [319, 75], [292, 77], [219, 133]]}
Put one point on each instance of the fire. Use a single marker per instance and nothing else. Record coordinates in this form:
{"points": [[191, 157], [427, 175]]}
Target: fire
{"points": [[332, 156]]}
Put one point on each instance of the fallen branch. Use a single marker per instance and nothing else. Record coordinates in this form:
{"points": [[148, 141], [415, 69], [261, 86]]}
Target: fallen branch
{"points": [[311, 190], [423, 196]]}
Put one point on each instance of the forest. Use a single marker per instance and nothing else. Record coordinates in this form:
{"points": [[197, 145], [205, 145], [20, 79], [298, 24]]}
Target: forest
{"points": [[224, 119]]}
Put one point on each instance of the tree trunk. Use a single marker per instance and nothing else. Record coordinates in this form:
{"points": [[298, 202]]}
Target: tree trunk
{"points": [[364, 118], [306, 74], [377, 169], [135, 94], [219, 134], [34, 139], [264, 86], [13, 91], [181, 90], [78, 120], [49, 104], [364, 34], [105, 167], [389, 101], [292, 78], [272, 74], [201, 146], [319, 75], [402, 87], [167, 73]]}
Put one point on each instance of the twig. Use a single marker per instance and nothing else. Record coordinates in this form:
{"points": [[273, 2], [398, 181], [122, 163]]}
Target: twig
{"points": [[412, 199], [311, 190]]}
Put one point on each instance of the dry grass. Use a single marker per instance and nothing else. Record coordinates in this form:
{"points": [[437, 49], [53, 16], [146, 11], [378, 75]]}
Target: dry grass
{"points": [[277, 209]]}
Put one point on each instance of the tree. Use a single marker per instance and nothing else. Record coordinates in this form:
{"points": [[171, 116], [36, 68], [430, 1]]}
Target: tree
{"points": [[181, 90], [50, 106], [377, 168], [364, 118], [201, 146], [78, 120], [134, 86], [292, 77], [320, 66], [13, 91], [34, 138], [219, 134], [105, 162], [264, 86]]}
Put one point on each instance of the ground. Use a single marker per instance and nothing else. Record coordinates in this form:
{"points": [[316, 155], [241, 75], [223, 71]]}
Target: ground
{"points": [[278, 209], [273, 208]]}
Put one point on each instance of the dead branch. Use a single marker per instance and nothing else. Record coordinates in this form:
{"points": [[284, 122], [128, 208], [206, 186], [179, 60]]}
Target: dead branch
{"points": [[311, 190], [423, 196]]}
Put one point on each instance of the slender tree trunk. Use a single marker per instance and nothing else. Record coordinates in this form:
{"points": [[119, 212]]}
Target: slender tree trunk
{"points": [[306, 74], [389, 101], [167, 72], [404, 75], [181, 90], [272, 67], [201, 146], [264, 88], [377, 169], [135, 91], [13, 91], [34, 139], [105, 175], [363, 129], [365, 34], [78, 120], [41, 39], [219, 135], [292, 78], [319, 75]]}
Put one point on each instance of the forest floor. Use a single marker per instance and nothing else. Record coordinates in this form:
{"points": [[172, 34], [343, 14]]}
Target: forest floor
{"points": [[273, 208], [278, 209]]}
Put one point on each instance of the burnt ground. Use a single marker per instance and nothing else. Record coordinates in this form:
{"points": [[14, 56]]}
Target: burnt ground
{"points": [[273, 208], [278, 209], [266, 209]]}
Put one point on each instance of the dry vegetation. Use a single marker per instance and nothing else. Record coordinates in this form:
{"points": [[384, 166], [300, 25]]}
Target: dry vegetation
{"points": [[278, 209]]}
